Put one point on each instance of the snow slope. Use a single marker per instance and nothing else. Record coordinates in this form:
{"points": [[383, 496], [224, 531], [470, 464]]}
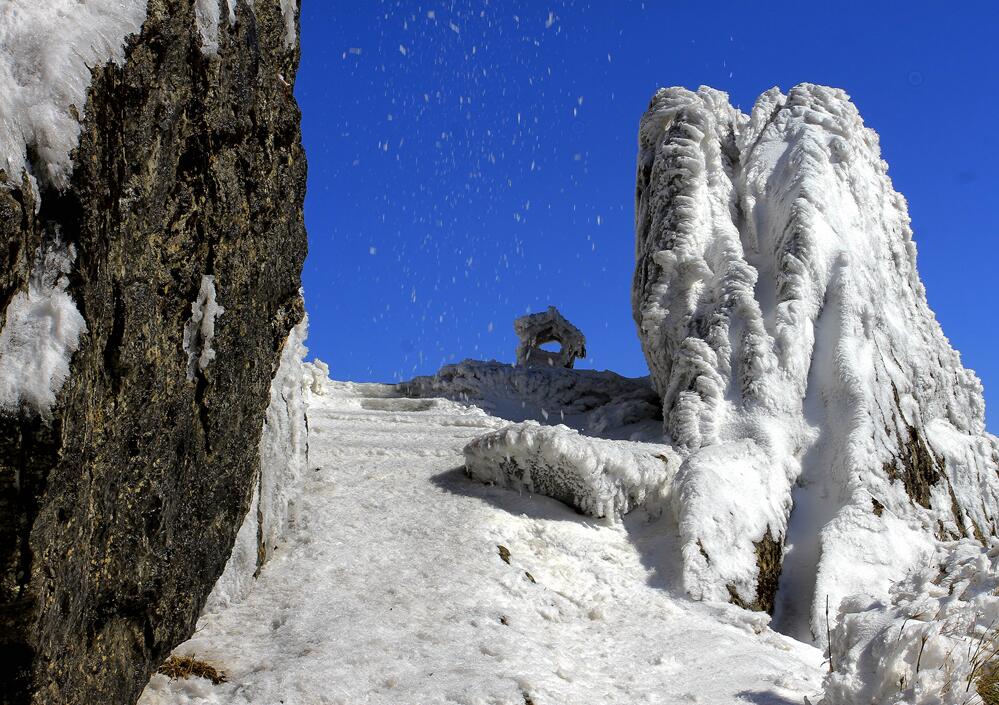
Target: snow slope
{"points": [[832, 436], [393, 589]]}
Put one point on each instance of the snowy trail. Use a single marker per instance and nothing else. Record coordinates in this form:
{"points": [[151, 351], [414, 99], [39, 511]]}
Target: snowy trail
{"points": [[392, 590]]}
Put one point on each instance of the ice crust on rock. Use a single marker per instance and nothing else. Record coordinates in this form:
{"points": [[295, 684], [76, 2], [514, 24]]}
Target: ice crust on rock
{"points": [[200, 328], [209, 14], [602, 404], [930, 642], [284, 458], [803, 375], [46, 51], [41, 331], [597, 477]]}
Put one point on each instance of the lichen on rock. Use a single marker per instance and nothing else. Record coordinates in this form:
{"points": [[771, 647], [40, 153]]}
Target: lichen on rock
{"points": [[118, 509]]}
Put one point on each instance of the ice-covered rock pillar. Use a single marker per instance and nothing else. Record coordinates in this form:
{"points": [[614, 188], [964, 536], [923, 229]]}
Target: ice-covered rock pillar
{"points": [[151, 244], [802, 373]]}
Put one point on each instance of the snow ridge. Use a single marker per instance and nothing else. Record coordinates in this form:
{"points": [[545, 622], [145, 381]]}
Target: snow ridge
{"points": [[786, 329]]}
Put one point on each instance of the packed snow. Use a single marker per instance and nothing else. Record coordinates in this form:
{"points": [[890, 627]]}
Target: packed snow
{"points": [[935, 642], [47, 50], [402, 581], [802, 373], [200, 327], [597, 477], [41, 331]]}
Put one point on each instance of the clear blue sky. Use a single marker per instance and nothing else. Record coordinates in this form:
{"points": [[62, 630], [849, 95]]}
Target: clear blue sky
{"points": [[470, 161]]}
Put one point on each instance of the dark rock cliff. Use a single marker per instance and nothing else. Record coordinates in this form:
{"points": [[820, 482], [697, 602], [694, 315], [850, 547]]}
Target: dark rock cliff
{"points": [[119, 507]]}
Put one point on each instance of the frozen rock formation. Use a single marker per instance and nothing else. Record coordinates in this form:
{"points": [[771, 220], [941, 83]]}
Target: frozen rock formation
{"points": [[602, 404], [536, 329], [596, 477], [831, 435], [138, 174], [935, 641], [284, 458]]}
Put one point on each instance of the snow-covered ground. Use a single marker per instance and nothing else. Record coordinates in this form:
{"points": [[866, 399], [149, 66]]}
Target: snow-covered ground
{"points": [[393, 589]]}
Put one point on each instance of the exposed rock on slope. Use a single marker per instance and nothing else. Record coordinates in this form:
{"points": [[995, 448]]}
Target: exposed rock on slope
{"points": [[832, 435], [120, 496]]}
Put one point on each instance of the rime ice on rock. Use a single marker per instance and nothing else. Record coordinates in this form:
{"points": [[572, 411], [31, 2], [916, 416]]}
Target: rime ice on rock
{"points": [[549, 326], [595, 476], [802, 372]]}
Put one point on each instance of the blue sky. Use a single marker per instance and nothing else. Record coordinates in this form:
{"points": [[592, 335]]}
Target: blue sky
{"points": [[471, 161]]}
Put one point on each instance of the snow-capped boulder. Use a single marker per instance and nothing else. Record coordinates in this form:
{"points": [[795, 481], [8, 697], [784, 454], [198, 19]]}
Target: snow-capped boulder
{"points": [[151, 245], [595, 476], [831, 435]]}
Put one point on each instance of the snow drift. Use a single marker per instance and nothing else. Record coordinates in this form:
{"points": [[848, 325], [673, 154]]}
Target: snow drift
{"points": [[595, 476], [934, 642], [831, 435]]}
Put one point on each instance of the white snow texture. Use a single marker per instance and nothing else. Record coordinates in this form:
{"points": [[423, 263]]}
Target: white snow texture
{"points": [[597, 477], [46, 51], [200, 328], [284, 456], [41, 331], [802, 373], [931, 644]]}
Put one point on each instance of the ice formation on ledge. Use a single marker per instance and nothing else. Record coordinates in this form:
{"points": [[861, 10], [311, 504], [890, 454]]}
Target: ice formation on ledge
{"points": [[831, 435], [934, 642], [284, 457], [208, 15], [597, 477], [41, 331], [200, 328], [536, 329], [46, 52], [595, 403]]}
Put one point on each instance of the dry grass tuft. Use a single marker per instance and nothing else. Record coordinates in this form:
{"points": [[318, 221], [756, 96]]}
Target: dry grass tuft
{"points": [[987, 683], [180, 667]]}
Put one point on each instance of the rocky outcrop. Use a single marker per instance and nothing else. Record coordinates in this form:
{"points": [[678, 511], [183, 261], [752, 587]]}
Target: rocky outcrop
{"points": [[537, 329], [120, 496], [817, 402]]}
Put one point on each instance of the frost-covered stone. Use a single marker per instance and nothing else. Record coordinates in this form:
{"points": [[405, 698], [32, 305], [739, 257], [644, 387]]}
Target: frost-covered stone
{"points": [[802, 373], [46, 52], [536, 329], [597, 477], [933, 642], [595, 403]]}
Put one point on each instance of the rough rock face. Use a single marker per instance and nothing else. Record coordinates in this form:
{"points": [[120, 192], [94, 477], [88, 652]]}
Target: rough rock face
{"points": [[119, 504], [536, 329], [831, 434]]}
